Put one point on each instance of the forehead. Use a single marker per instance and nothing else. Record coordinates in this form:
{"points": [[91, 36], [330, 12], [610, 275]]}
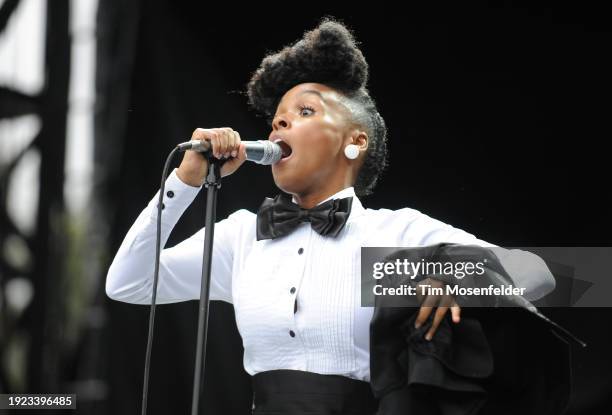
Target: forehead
{"points": [[323, 92]]}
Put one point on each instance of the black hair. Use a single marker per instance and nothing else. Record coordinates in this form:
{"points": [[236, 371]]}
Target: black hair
{"points": [[327, 55]]}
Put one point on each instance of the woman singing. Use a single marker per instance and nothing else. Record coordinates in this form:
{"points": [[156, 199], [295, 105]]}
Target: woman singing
{"points": [[291, 270]]}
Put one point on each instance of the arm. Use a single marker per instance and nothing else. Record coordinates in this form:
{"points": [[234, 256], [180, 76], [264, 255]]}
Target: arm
{"points": [[130, 276], [526, 269]]}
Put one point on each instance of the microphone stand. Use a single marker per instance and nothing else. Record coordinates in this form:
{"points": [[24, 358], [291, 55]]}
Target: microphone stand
{"points": [[212, 184], [263, 153]]}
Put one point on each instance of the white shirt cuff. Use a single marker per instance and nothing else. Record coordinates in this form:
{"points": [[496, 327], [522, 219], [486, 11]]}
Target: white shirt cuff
{"points": [[177, 197]]}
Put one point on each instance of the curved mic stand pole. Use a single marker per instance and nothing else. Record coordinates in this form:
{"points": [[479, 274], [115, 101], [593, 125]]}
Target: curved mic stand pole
{"points": [[212, 183]]}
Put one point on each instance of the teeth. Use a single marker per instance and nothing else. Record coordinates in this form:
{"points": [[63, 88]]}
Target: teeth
{"points": [[276, 140]]}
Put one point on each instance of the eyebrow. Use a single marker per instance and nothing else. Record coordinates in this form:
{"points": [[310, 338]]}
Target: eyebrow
{"points": [[312, 91]]}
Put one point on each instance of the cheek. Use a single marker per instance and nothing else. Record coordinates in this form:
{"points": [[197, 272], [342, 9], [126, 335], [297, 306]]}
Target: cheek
{"points": [[320, 140]]}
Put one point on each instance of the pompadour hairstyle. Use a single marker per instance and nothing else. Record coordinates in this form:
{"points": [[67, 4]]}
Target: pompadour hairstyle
{"points": [[329, 55]]}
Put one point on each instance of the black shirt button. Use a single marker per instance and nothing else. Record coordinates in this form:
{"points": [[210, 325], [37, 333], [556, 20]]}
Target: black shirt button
{"points": [[291, 333], [170, 193], [292, 290], [301, 251], [163, 206]]}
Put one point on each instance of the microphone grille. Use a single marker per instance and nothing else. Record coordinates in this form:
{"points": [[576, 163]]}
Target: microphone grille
{"points": [[272, 152]]}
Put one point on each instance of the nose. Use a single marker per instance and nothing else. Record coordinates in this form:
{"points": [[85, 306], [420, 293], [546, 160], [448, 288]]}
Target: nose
{"points": [[280, 121]]}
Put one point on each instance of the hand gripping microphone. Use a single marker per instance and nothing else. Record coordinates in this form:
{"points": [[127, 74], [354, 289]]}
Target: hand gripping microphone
{"points": [[260, 151]]}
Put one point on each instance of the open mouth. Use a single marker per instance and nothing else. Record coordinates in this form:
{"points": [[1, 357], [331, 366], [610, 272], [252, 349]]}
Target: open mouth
{"points": [[285, 148]]}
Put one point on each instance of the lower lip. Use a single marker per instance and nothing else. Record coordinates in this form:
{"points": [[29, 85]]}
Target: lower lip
{"points": [[284, 160]]}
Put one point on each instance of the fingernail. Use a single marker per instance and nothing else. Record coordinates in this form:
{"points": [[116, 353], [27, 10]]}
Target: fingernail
{"points": [[428, 337], [234, 153], [226, 155], [417, 325]]}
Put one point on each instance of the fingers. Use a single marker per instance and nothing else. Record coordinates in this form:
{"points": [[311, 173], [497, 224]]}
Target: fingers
{"points": [[225, 142], [234, 163], [242, 155], [423, 315], [456, 312], [440, 313], [235, 147], [445, 303], [231, 143], [211, 135]]}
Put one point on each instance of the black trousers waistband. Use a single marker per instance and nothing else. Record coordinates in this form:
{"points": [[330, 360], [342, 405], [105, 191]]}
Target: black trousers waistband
{"points": [[296, 392]]}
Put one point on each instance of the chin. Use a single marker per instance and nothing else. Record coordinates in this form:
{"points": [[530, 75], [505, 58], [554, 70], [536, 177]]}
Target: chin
{"points": [[285, 185], [288, 183], [296, 178]]}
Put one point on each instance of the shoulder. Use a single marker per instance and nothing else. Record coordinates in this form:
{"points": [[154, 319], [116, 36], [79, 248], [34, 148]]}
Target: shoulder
{"points": [[236, 230], [385, 214], [398, 218], [239, 219], [416, 227], [242, 215]]}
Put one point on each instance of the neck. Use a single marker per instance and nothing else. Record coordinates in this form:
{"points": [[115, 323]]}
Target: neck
{"points": [[310, 199]]}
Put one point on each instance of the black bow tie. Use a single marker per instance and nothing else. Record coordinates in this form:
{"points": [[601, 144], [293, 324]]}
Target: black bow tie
{"points": [[280, 216]]}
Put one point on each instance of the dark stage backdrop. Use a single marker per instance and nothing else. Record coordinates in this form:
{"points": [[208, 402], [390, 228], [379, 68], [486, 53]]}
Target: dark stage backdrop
{"points": [[498, 124]]}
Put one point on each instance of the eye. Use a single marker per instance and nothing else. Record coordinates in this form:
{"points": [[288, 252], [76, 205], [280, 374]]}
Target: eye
{"points": [[305, 109]]}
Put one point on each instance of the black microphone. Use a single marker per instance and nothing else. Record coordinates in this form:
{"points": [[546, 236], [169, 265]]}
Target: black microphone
{"points": [[260, 151]]}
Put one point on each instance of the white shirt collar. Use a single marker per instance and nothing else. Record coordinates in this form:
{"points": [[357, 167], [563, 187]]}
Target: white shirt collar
{"points": [[346, 192], [356, 208]]}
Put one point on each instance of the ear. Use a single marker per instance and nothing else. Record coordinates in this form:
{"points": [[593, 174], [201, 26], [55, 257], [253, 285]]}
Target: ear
{"points": [[360, 139]]}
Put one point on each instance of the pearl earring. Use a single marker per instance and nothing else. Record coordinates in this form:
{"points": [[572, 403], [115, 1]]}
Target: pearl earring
{"points": [[351, 151]]}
